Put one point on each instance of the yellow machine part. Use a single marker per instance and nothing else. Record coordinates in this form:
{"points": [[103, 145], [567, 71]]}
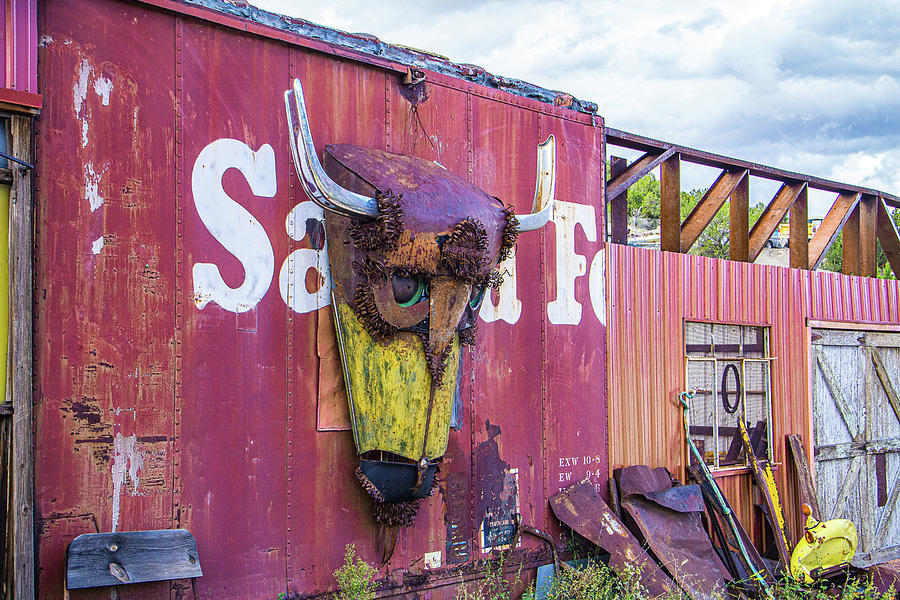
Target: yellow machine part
{"points": [[825, 544], [4, 294], [389, 387]]}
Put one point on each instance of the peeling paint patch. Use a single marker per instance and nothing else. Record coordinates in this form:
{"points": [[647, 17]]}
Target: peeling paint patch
{"points": [[45, 41], [97, 246], [103, 86], [127, 462], [81, 85], [92, 185]]}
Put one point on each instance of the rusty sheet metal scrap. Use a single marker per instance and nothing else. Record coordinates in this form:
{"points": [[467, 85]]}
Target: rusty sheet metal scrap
{"points": [[669, 520], [885, 576], [747, 556], [581, 508]]}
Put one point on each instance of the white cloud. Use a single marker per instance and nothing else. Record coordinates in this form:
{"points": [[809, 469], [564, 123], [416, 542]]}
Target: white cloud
{"points": [[810, 86]]}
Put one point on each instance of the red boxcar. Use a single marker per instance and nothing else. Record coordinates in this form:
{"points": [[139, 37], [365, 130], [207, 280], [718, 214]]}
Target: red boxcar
{"points": [[154, 410]]}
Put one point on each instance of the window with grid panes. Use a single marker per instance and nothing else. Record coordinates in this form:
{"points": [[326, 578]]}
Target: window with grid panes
{"points": [[729, 366]]}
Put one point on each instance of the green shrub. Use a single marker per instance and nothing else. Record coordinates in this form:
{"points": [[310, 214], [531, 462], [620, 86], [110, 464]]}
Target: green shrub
{"points": [[355, 577]]}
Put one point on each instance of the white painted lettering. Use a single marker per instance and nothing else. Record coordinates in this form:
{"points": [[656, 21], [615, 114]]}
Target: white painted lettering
{"points": [[232, 225], [597, 285], [508, 307], [292, 278], [565, 309]]}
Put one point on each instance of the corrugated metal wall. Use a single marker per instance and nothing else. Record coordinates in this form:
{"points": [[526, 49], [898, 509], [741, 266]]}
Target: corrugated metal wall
{"points": [[652, 294], [18, 46], [152, 413]]}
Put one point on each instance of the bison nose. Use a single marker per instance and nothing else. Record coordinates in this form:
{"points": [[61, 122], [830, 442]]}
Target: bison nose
{"points": [[449, 298]]}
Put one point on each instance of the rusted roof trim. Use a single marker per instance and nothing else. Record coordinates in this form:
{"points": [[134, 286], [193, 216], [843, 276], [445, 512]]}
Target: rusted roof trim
{"points": [[19, 101], [361, 47]]}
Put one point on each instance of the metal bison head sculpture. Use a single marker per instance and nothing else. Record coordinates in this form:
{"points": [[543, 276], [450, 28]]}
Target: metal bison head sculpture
{"points": [[412, 249]]}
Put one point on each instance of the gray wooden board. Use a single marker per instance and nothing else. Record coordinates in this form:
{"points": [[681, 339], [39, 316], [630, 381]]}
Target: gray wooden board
{"points": [[100, 559], [856, 419], [804, 475]]}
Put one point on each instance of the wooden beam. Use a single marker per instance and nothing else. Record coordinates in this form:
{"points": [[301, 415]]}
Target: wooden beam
{"points": [[618, 206], [799, 237], [850, 247], [771, 217], [635, 171], [624, 139], [739, 219], [831, 225], [868, 228], [20, 240], [805, 483], [709, 205], [670, 204], [889, 237]]}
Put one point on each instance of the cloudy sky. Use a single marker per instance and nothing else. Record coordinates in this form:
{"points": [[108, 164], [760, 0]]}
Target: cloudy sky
{"points": [[807, 86]]}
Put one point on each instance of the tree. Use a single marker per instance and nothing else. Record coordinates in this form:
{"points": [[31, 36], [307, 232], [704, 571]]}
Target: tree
{"points": [[643, 202], [643, 198], [834, 258]]}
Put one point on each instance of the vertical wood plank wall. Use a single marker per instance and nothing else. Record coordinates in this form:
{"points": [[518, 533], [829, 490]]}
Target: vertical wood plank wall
{"points": [[20, 240]]}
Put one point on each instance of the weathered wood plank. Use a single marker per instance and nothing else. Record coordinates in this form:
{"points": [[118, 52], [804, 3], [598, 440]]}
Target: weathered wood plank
{"points": [[849, 484], [768, 222], [804, 475], [867, 531], [889, 237], [799, 235], [635, 171], [20, 234], [670, 204], [885, 380], [739, 221], [100, 559], [831, 225], [868, 230], [618, 205], [881, 339], [850, 247], [837, 337], [711, 202], [854, 449], [887, 515], [834, 389]]}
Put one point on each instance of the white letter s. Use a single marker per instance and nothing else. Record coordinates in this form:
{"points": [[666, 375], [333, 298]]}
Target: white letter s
{"points": [[232, 225]]}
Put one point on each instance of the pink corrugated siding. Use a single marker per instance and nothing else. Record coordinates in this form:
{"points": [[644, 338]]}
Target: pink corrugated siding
{"points": [[19, 46], [652, 293]]}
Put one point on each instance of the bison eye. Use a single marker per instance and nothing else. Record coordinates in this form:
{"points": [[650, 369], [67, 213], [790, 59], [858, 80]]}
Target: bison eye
{"points": [[476, 297], [408, 290]]}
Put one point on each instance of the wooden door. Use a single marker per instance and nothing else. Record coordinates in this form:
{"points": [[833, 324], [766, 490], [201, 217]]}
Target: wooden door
{"points": [[856, 420]]}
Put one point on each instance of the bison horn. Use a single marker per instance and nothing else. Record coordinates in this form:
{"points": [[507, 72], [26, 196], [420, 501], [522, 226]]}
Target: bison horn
{"points": [[544, 189], [316, 183]]}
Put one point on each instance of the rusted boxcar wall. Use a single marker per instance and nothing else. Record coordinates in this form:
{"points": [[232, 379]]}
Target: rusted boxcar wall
{"points": [[154, 413], [652, 294]]}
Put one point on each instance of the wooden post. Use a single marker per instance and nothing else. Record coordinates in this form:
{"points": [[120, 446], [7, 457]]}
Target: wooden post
{"points": [[868, 230], [799, 231], [670, 204], [618, 213], [739, 218], [20, 232], [850, 248]]}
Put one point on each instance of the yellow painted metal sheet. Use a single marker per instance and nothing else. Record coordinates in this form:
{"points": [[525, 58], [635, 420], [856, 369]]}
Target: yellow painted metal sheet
{"points": [[389, 387]]}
